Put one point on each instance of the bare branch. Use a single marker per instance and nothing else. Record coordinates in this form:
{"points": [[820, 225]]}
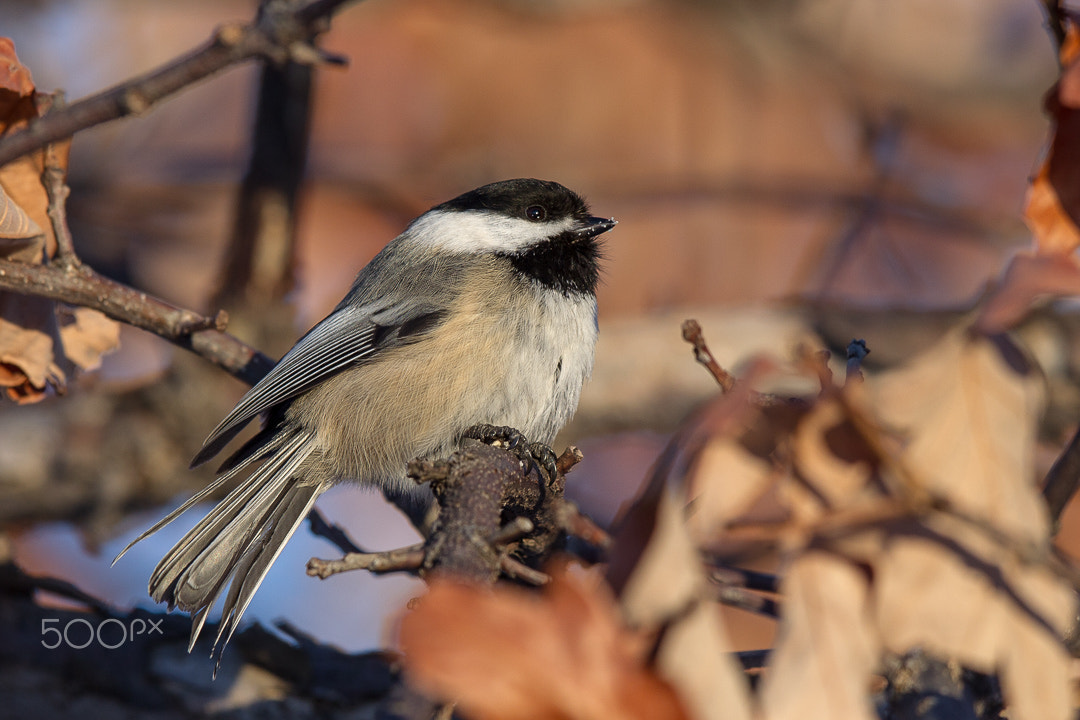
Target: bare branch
{"points": [[1055, 20], [743, 599], [53, 179], [520, 571], [576, 523], [332, 532], [277, 36], [691, 332], [570, 457], [407, 558], [80, 285], [1063, 479]]}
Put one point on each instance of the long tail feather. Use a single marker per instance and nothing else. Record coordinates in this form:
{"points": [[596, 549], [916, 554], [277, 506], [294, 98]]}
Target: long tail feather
{"points": [[256, 562], [241, 501], [196, 498], [240, 538]]}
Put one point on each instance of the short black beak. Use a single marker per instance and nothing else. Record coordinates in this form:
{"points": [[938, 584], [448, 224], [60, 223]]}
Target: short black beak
{"points": [[595, 226]]}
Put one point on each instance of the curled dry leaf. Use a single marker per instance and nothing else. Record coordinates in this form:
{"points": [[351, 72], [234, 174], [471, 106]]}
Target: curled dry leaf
{"points": [[87, 336], [968, 583], [15, 224], [25, 196], [1052, 210], [729, 438], [908, 517], [969, 408], [32, 353], [1027, 280], [16, 85], [827, 648], [945, 586], [28, 333], [514, 655], [1053, 204], [657, 573]]}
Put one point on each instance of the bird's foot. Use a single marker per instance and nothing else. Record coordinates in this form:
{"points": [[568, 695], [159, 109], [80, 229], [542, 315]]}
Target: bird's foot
{"points": [[531, 454]]}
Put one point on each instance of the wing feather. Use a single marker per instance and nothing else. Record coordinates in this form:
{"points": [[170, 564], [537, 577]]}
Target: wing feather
{"points": [[347, 336], [343, 338]]}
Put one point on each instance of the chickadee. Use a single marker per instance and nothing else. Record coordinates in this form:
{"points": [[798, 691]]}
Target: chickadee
{"points": [[482, 312]]}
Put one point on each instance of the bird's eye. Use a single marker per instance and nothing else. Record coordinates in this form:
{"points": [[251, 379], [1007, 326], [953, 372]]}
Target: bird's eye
{"points": [[536, 213]]}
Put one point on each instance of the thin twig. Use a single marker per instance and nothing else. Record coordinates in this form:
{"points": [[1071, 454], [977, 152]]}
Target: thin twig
{"points": [[691, 332], [1063, 479], [332, 532], [407, 558], [512, 531], [739, 577], [53, 179], [83, 286], [520, 571], [576, 523], [856, 353], [570, 457], [275, 35], [744, 599]]}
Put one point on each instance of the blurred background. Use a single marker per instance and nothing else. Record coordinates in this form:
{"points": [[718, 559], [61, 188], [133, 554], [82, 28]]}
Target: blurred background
{"points": [[782, 170]]}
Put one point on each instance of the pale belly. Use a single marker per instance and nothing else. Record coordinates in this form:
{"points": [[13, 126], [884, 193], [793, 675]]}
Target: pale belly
{"points": [[486, 365]]}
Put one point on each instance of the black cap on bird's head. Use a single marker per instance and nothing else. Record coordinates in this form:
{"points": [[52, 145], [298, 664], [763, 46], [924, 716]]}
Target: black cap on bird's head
{"points": [[544, 229], [526, 198]]}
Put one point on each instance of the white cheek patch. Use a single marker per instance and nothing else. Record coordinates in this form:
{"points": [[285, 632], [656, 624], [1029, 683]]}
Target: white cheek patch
{"points": [[473, 231]]}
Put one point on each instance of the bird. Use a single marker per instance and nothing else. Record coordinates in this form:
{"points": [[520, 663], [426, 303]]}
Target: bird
{"points": [[480, 316]]}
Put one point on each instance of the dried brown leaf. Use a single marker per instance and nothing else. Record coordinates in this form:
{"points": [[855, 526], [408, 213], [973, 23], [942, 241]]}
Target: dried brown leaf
{"points": [[967, 582], [21, 182], [827, 649], [87, 336], [945, 586], [28, 336], [969, 408], [514, 655], [15, 224], [21, 179], [1027, 279], [1053, 205], [657, 573], [727, 481], [722, 459], [16, 88], [833, 463], [31, 351]]}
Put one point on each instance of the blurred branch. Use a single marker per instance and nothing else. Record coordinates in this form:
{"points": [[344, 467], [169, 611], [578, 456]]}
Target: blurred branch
{"points": [[691, 333], [1055, 20], [80, 285], [259, 260], [1062, 479], [331, 532], [856, 353], [116, 680], [739, 588], [279, 33], [54, 180]]}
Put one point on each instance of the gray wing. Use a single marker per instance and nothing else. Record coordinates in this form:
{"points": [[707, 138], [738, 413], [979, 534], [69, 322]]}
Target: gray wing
{"points": [[347, 336]]}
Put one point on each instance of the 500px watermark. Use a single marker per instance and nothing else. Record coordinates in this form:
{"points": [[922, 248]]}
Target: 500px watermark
{"points": [[110, 633]]}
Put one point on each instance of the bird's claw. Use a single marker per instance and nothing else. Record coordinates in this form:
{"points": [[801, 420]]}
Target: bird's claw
{"points": [[540, 455], [532, 455], [499, 435]]}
